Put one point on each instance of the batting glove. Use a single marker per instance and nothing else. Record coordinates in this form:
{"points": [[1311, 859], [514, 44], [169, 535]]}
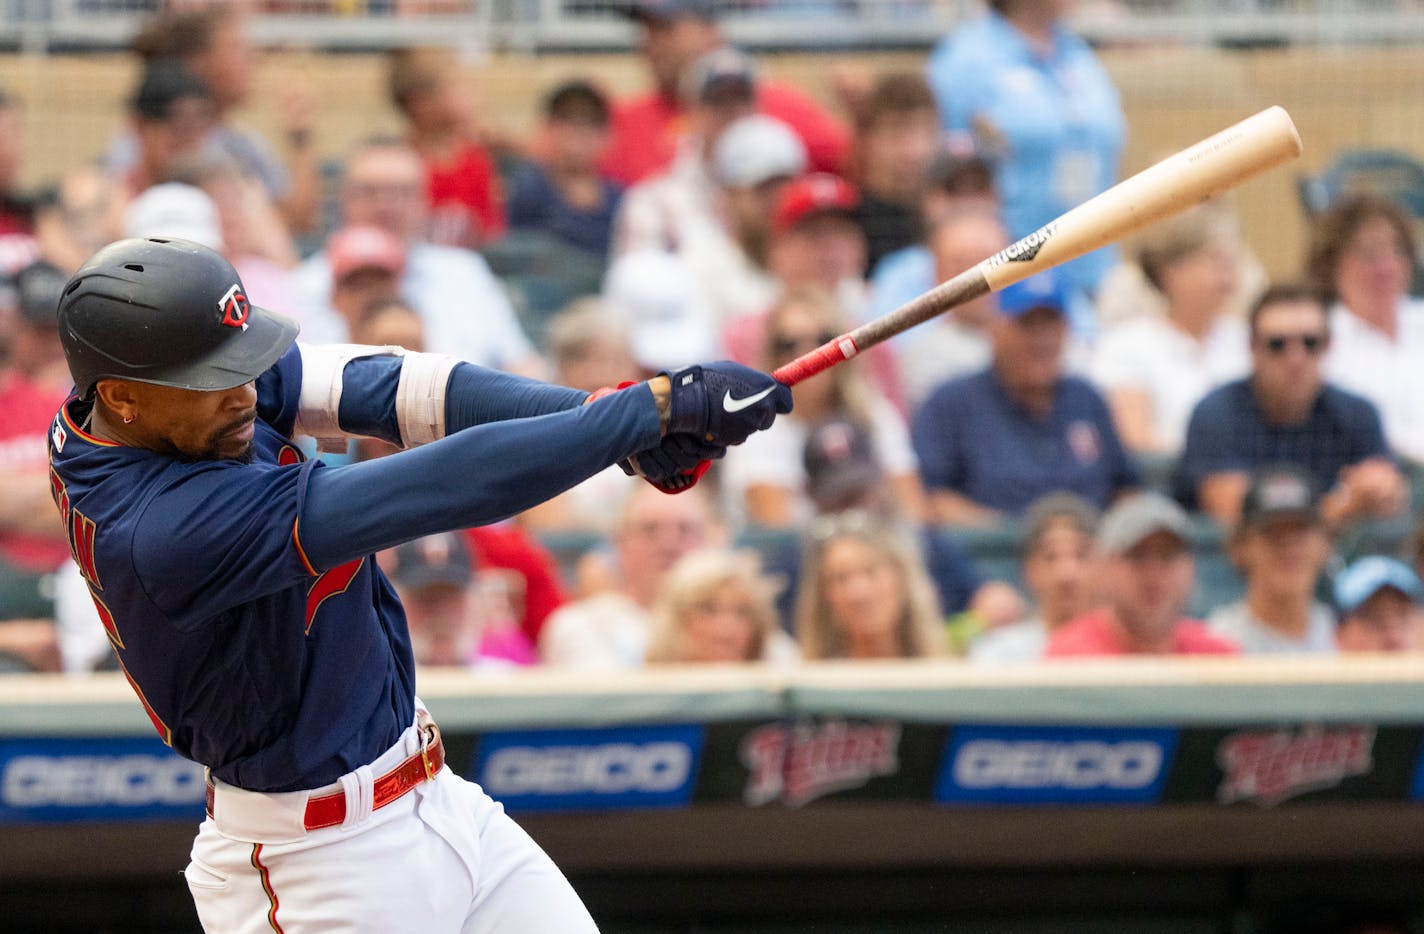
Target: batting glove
{"points": [[723, 403], [674, 465]]}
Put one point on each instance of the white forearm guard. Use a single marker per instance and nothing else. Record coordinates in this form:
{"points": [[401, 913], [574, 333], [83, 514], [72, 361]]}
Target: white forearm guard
{"points": [[420, 394]]}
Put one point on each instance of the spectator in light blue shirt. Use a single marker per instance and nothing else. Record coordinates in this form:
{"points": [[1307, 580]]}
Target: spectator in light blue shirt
{"points": [[991, 443], [1037, 100]]}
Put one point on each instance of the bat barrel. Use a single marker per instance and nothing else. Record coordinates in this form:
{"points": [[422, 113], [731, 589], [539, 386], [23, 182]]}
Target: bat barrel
{"points": [[1196, 174]]}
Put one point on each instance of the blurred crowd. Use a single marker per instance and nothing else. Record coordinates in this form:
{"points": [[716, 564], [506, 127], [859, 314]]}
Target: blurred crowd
{"points": [[1150, 450]]}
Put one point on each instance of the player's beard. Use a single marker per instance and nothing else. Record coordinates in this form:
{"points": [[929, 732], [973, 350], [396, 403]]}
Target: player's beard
{"points": [[218, 446]]}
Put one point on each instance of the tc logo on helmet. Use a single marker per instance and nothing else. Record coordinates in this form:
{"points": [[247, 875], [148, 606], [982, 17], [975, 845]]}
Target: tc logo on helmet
{"points": [[234, 307]]}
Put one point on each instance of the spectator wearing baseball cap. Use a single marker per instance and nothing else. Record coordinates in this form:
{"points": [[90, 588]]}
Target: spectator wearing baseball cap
{"points": [[1146, 569], [435, 577], [678, 208], [816, 241], [648, 129], [35, 349], [843, 475], [33, 384], [1057, 570], [173, 115], [1285, 412], [1281, 546], [1378, 599], [766, 478], [752, 161], [991, 443], [367, 263], [678, 204], [176, 210], [211, 40], [668, 324], [564, 194]]}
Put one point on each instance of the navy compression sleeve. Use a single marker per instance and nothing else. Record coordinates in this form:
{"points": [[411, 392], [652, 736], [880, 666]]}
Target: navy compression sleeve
{"points": [[474, 396], [472, 477]]}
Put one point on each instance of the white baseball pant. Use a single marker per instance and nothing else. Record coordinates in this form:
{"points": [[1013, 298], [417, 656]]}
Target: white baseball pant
{"points": [[442, 859]]}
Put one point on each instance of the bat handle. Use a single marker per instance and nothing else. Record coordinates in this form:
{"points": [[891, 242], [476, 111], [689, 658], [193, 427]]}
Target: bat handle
{"points": [[822, 358]]}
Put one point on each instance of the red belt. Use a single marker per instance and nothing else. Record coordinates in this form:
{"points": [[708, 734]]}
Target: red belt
{"points": [[329, 810]]}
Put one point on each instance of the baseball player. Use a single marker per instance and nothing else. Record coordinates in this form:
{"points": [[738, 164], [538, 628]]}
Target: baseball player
{"points": [[236, 584]]}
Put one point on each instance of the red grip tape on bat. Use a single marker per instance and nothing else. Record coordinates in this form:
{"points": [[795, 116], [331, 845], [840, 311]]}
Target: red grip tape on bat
{"points": [[822, 358]]}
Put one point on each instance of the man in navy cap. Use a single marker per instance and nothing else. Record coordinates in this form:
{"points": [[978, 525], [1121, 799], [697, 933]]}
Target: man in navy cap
{"points": [[1281, 545], [991, 443]]}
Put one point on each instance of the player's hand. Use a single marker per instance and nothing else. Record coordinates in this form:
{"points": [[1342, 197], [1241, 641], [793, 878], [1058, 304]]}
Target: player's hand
{"points": [[674, 465], [723, 403]]}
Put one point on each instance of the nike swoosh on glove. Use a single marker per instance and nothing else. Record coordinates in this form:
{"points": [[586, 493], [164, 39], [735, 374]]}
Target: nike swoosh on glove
{"points": [[724, 402]]}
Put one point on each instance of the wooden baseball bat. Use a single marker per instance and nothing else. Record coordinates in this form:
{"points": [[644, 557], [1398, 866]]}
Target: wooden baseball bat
{"points": [[1190, 177]]}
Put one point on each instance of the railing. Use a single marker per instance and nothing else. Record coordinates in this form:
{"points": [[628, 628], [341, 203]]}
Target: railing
{"points": [[563, 25]]}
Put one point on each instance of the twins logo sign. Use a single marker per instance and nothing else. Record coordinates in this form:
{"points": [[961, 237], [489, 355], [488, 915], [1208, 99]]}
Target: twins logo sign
{"points": [[809, 759], [1267, 767]]}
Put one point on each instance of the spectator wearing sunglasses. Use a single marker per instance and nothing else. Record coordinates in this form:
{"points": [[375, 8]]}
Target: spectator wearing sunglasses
{"points": [[993, 442], [768, 479], [1285, 412]]}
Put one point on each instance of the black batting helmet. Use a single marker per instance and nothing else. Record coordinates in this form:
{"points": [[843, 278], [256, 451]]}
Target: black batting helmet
{"points": [[170, 312]]}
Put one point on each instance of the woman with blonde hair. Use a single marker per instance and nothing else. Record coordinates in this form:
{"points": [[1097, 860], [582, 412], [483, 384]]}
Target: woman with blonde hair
{"points": [[766, 476], [865, 593], [717, 606]]}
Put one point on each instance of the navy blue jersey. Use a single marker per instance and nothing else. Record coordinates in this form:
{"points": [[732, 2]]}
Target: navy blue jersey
{"points": [[242, 599], [1229, 433], [972, 438]]}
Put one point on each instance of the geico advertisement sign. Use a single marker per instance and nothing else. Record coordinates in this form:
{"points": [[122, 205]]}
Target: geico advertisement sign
{"points": [[550, 770], [1055, 765], [96, 779]]}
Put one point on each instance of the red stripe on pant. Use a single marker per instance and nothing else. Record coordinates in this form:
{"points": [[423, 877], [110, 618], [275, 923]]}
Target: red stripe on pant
{"points": [[266, 887]]}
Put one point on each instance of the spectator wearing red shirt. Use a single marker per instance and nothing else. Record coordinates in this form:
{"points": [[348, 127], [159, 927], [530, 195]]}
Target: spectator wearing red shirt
{"points": [[462, 182], [1146, 572], [646, 129], [32, 543]]}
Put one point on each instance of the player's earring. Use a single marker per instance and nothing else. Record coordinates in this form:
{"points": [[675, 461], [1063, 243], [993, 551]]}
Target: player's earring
{"points": [[128, 419]]}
